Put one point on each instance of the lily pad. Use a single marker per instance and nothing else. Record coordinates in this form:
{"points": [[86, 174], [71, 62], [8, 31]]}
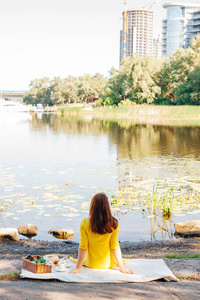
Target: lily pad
{"points": [[7, 214], [73, 215]]}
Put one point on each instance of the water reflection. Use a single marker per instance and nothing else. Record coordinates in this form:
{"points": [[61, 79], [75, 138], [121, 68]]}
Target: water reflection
{"points": [[143, 150], [162, 225], [133, 140]]}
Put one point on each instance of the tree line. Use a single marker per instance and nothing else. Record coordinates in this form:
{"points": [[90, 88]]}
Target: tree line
{"points": [[139, 80]]}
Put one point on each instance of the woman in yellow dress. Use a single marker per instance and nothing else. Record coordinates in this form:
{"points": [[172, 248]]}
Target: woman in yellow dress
{"points": [[99, 247]]}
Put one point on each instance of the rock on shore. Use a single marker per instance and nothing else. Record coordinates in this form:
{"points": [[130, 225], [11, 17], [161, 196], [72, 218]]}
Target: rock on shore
{"points": [[188, 229], [28, 230], [9, 233]]}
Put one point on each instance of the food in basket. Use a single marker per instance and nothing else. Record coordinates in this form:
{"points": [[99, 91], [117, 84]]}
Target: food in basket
{"points": [[33, 258], [41, 260], [30, 258], [36, 264]]}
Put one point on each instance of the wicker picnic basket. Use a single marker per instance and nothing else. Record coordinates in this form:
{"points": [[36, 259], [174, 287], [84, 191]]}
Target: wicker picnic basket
{"points": [[35, 268]]}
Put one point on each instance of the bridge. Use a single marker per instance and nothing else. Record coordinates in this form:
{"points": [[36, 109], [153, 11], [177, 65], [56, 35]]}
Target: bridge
{"points": [[10, 95]]}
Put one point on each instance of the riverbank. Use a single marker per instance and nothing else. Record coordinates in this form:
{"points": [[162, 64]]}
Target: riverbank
{"points": [[136, 111], [184, 269]]}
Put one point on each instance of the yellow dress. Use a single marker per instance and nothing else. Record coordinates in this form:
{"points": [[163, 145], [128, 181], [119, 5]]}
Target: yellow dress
{"points": [[99, 254]]}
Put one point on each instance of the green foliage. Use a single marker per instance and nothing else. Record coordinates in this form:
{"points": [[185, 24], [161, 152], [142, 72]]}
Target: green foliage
{"points": [[135, 81], [189, 92], [164, 78], [138, 80], [158, 81], [61, 91], [108, 101]]}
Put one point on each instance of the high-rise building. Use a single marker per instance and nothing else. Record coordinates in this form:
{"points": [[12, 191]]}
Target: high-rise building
{"points": [[193, 26], [157, 48], [136, 35], [181, 24]]}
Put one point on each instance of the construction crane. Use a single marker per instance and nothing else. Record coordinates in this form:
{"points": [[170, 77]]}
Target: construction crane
{"points": [[151, 5], [125, 28]]}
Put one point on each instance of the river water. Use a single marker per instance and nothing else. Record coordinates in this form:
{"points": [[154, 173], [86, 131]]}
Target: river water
{"points": [[50, 167]]}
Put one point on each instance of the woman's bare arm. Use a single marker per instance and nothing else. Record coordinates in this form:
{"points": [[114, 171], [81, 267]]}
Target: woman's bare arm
{"points": [[118, 257], [81, 256]]}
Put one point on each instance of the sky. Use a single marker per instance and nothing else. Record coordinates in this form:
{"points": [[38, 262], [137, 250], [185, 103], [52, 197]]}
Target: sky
{"points": [[50, 38]]}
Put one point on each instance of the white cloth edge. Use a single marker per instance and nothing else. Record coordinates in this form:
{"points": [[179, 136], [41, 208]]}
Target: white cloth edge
{"points": [[145, 270]]}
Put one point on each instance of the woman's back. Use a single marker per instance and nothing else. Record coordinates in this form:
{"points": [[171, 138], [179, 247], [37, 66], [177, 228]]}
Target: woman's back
{"points": [[99, 246]]}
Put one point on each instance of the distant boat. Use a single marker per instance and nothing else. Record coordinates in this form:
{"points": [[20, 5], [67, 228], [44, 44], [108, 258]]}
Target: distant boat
{"points": [[38, 108]]}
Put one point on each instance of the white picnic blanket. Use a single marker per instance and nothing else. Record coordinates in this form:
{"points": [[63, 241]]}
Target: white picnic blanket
{"points": [[144, 270]]}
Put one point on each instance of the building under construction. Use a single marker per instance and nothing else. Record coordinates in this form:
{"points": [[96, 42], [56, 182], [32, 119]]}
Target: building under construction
{"points": [[136, 35]]}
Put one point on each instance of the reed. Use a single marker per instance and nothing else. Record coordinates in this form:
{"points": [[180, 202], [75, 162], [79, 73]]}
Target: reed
{"points": [[143, 110], [163, 200]]}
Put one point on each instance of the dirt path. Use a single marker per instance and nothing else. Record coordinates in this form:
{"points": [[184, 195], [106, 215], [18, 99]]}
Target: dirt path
{"points": [[32, 290]]}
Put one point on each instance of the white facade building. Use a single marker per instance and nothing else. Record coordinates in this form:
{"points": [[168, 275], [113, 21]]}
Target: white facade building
{"points": [[136, 35], [181, 24]]}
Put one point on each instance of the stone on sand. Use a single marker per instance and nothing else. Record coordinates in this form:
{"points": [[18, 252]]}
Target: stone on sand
{"points": [[9, 233]]}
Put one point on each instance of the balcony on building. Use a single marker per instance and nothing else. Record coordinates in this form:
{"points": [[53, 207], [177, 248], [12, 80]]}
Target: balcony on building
{"points": [[195, 17], [191, 36], [194, 30], [194, 22]]}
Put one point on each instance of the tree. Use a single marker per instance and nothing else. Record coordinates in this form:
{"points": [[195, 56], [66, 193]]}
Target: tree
{"points": [[144, 79], [56, 87], [40, 92], [117, 88], [189, 92], [164, 78], [141, 80]]}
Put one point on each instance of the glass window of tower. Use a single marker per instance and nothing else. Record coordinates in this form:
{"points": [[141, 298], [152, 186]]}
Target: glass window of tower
{"points": [[174, 11]]}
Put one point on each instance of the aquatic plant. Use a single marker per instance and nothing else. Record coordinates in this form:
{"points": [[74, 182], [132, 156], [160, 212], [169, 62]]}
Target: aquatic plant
{"points": [[163, 200], [159, 204]]}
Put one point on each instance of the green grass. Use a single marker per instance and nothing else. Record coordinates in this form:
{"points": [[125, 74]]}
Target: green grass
{"points": [[180, 256], [14, 275], [144, 110]]}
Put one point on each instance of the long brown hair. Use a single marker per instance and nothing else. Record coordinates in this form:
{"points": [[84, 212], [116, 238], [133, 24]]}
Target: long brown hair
{"points": [[101, 218]]}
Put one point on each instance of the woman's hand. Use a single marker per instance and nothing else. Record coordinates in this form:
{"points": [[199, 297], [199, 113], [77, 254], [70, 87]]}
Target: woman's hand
{"points": [[75, 271], [126, 270], [118, 258], [81, 256]]}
